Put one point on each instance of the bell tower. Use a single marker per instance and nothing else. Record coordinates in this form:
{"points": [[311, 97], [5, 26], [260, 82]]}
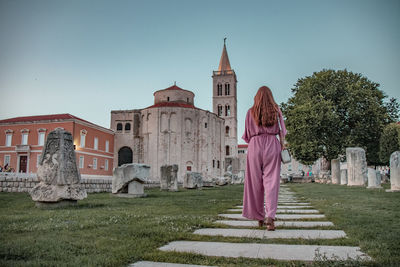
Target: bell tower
{"points": [[225, 106]]}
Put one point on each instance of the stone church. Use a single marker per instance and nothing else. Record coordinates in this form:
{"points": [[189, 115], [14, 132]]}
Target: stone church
{"points": [[175, 131]]}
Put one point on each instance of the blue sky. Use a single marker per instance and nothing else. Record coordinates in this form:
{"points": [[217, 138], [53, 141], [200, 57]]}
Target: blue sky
{"points": [[90, 57]]}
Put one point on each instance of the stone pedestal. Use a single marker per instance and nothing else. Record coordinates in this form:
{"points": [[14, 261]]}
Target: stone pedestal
{"points": [[59, 178], [129, 179], [394, 172], [335, 170], [356, 166], [374, 181], [169, 179], [343, 177], [193, 180]]}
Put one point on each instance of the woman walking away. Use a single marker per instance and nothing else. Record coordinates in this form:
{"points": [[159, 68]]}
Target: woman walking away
{"points": [[263, 165]]}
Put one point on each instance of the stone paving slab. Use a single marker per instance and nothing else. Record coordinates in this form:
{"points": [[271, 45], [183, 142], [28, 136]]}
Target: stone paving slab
{"points": [[284, 210], [162, 264], [278, 216], [265, 251], [283, 233], [277, 223]]}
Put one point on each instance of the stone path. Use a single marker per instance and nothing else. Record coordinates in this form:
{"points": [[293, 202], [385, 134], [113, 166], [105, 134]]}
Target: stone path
{"points": [[293, 214]]}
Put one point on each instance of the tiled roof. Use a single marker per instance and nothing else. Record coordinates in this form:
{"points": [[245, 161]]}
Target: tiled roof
{"points": [[242, 146], [173, 87], [172, 104]]}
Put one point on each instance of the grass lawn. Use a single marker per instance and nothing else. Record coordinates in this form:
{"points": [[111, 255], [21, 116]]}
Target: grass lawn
{"points": [[104, 230]]}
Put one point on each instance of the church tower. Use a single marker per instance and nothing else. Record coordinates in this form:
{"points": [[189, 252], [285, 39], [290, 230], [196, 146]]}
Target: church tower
{"points": [[225, 106]]}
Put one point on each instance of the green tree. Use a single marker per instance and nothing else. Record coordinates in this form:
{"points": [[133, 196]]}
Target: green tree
{"points": [[332, 110], [390, 142]]}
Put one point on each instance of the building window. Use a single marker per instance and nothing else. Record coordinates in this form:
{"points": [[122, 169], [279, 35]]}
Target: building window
{"points": [[81, 162], [96, 143], [189, 168], [219, 89], [227, 110], [6, 160], [38, 161], [227, 130], [8, 139], [119, 127], [218, 164], [41, 138], [227, 89], [219, 110], [24, 140], [127, 127], [83, 139], [94, 163], [205, 125], [241, 151], [227, 150], [213, 163], [187, 100], [106, 164], [168, 98], [107, 146]]}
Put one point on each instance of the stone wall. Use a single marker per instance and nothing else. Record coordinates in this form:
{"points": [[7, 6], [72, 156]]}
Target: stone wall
{"points": [[21, 182]]}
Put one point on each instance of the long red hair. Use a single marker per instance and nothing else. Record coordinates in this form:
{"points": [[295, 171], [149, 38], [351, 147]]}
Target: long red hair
{"points": [[264, 110]]}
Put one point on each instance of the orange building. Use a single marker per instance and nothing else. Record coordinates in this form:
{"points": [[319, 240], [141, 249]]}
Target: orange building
{"points": [[22, 140]]}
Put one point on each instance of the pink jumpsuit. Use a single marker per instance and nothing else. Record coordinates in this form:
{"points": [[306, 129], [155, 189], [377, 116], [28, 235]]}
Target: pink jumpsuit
{"points": [[263, 168]]}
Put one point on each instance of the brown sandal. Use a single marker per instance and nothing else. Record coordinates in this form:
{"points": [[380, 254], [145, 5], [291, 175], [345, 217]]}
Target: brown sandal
{"points": [[261, 223], [270, 224]]}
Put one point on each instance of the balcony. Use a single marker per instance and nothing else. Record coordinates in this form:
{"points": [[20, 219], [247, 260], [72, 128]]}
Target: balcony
{"points": [[22, 148]]}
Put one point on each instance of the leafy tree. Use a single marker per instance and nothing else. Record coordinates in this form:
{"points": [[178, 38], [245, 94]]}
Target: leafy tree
{"points": [[392, 108], [390, 142], [332, 110]]}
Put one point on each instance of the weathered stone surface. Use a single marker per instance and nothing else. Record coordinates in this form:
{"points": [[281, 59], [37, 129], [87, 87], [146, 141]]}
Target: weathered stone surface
{"points": [[395, 172], [343, 176], [335, 171], [221, 181], [374, 180], [127, 173], [57, 172], [169, 179], [356, 166], [193, 180]]}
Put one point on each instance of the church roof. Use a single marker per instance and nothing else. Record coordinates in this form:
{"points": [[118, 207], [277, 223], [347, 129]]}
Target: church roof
{"points": [[172, 104], [173, 87], [224, 64], [51, 117]]}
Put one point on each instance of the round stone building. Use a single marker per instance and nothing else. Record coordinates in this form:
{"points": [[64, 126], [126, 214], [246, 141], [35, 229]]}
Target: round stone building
{"points": [[172, 131]]}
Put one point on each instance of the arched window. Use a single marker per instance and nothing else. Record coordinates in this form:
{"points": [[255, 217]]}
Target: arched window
{"points": [[119, 126], [227, 110], [227, 89], [227, 150], [124, 155], [219, 110], [127, 127], [219, 89], [227, 130]]}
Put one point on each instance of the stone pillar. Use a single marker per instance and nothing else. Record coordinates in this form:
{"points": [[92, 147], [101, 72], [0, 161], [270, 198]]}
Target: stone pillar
{"points": [[374, 181], [59, 178], [193, 180], [169, 177], [343, 177], [129, 179], [335, 171], [394, 172], [356, 166]]}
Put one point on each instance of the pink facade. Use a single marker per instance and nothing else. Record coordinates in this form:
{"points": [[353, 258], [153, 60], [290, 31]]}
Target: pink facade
{"points": [[22, 140]]}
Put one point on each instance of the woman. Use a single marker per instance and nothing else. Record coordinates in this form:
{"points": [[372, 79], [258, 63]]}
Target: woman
{"points": [[263, 165]]}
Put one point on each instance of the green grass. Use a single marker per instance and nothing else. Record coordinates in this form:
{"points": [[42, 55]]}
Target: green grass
{"points": [[104, 230]]}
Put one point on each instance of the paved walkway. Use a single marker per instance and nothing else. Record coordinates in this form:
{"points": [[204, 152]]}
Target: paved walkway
{"points": [[293, 214]]}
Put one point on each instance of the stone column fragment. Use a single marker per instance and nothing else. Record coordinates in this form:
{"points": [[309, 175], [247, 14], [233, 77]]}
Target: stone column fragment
{"points": [[356, 166], [193, 180], [374, 180], [169, 177], [129, 179], [394, 172], [343, 177], [335, 171]]}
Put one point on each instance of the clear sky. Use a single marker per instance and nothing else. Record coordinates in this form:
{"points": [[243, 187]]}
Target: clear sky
{"points": [[89, 57]]}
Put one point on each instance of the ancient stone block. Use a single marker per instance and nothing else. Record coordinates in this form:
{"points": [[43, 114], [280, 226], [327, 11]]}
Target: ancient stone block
{"points": [[193, 180], [169, 179], [57, 172], [356, 166], [335, 171], [128, 173], [374, 180], [343, 177], [394, 172]]}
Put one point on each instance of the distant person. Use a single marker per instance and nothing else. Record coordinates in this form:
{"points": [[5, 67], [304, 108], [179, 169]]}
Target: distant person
{"points": [[263, 165]]}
